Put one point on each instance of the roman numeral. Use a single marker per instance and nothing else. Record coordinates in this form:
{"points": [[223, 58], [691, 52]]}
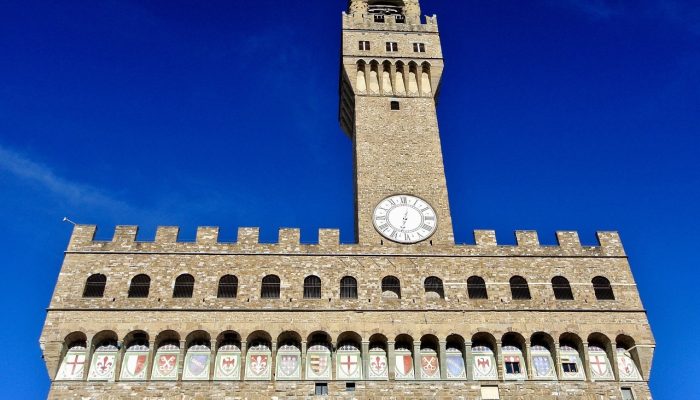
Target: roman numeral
{"points": [[426, 227], [395, 235], [404, 200], [430, 218]]}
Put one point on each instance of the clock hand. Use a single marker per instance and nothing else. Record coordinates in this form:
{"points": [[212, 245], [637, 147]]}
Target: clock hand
{"points": [[405, 219]]}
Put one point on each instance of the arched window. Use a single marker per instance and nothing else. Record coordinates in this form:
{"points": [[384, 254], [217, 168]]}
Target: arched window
{"points": [[139, 287], [519, 288], [391, 287], [270, 287], [95, 286], [434, 285], [312, 287], [228, 287], [476, 287], [562, 288], [603, 289], [348, 288], [184, 286]]}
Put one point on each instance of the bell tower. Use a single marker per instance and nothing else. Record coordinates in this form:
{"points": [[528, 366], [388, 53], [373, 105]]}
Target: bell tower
{"points": [[390, 80]]}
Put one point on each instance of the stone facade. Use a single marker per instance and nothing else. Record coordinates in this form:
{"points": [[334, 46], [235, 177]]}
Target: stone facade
{"points": [[415, 305]]}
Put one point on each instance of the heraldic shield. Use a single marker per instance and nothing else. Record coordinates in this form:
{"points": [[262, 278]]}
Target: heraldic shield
{"points": [[102, 368], [72, 367], [318, 366], [258, 367], [228, 366], [600, 364], [349, 366], [378, 366], [134, 366], [455, 366], [196, 366], [288, 366], [404, 367], [430, 367], [627, 366], [484, 364], [165, 366]]}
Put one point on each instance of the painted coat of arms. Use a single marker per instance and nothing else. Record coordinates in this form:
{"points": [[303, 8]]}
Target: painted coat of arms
{"points": [[455, 367], [484, 367], [165, 367], [628, 370], [288, 366], [72, 368], [318, 366], [134, 366], [378, 367], [102, 367], [430, 367], [227, 367], [543, 366], [600, 367], [197, 366], [404, 367], [349, 366]]}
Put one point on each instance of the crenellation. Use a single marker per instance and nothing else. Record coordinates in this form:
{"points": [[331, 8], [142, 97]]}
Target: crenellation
{"points": [[248, 236], [125, 235], [207, 235], [82, 235], [568, 240], [328, 237], [289, 237], [167, 234], [485, 238], [527, 239]]}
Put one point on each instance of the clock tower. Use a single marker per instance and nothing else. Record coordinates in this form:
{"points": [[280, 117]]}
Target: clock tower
{"points": [[392, 66]]}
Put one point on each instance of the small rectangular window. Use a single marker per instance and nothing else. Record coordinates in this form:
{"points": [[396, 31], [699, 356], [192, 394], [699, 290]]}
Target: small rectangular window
{"points": [[321, 389], [392, 46], [400, 19], [378, 18], [490, 393], [627, 394], [364, 45], [350, 387], [512, 368], [395, 106], [571, 368], [419, 47]]}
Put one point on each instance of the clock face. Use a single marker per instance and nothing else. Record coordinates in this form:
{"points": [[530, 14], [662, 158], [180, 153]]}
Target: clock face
{"points": [[405, 219]]}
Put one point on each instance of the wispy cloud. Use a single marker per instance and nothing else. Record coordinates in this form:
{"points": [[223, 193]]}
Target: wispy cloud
{"points": [[31, 172]]}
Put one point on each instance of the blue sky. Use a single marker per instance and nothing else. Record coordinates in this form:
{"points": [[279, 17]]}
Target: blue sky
{"points": [[555, 115]]}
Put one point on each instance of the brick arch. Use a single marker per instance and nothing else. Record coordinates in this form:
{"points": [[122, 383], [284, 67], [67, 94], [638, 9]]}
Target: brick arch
{"points": [[350, 336], [103, 336], [135, 335], [259, 335], [485, 337], [226, 337], [430, 341], [289, 336], [74, 337], [167, 336], [198, 336]]}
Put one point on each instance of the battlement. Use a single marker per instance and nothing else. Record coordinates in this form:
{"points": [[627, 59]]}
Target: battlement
{"points": [[367, 22], [289, 241]]}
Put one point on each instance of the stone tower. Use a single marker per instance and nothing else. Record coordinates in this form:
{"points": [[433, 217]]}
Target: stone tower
{"points": [[392, 65], [404, 313]]}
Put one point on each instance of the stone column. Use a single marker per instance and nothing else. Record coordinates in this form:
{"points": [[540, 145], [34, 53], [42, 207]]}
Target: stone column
{"points": [[302, 360], [89, 350], [469, 361], [365, 360], [391, 360], [528, 361], [118, 360], [333, 362], [557, 361], [273, 361], [499, 361], [442, 357], [212, 361], [181, 360], [416, 360], [612, 351], [586, 362], [151, 358], [244, 360]]}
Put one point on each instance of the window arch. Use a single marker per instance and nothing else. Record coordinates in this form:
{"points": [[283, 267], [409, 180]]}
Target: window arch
{"points": [[184, 286], [139, 287], [348, 288], [228, 287], [476, 287], [603, 289], [391, 287], [433, 284], [95, 286], [519, 288], [562, 288], [312, 287], [270, 288]]}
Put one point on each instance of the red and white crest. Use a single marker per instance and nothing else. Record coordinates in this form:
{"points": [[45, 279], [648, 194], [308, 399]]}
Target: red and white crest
{"points": [[318, 364], [228, 365], [378, 366], [483, 365], [258, 364], [349, 364], [430, 366], [404, 365], [166, 364], [136, 364], [599, 366]]}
